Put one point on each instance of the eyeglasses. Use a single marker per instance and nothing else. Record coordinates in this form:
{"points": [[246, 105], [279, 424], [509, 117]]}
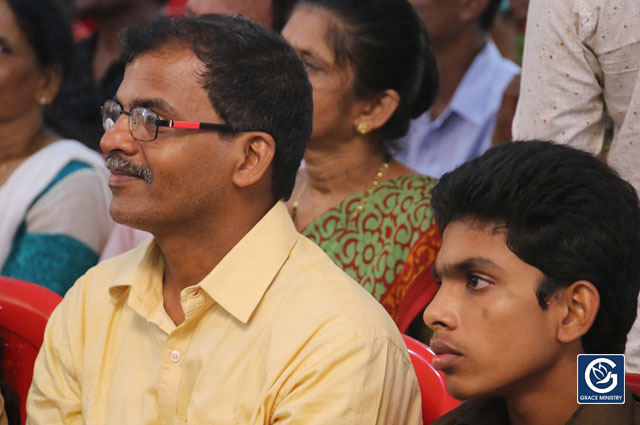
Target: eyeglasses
{"points": [[144, 123]]}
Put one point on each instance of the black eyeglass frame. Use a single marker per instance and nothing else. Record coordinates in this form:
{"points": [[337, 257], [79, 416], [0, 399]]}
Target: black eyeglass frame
{"points": [[159, 122]]}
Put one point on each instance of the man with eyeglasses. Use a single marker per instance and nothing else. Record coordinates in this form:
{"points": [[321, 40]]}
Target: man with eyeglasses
{"points": [[228, 315], [272, 14]]}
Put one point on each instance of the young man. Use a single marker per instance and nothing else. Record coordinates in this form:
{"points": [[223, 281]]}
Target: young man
{"points": [[539, 263], [228, 315]]}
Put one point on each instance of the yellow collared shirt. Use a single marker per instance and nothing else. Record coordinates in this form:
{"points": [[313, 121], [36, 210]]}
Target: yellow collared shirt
{"points": [[275, 334]]}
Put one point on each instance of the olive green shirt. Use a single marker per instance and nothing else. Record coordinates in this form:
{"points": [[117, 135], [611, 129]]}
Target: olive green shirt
{"points": [[493, 411]]}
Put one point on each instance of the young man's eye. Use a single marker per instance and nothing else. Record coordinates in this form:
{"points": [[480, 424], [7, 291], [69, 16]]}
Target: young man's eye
{"points": [[476, 282]]}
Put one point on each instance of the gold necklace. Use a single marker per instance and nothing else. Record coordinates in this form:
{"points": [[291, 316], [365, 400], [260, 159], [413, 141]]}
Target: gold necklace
{"points": [[368, 193], [296, 202], [383, 168]]}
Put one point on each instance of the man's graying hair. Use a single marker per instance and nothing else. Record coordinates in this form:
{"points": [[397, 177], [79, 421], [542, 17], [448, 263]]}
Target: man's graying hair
{"points": [[253, 77]]}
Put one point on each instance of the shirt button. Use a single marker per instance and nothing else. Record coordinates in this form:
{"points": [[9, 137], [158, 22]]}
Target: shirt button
{"points": [[175, 356]]}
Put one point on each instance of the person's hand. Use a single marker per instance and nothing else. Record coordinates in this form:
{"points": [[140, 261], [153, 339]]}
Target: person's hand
{"points": [[502, 132]]}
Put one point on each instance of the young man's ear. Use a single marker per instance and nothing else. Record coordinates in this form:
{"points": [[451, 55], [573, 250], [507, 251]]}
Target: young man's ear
{"points": [[258, 150], [579, 307]]}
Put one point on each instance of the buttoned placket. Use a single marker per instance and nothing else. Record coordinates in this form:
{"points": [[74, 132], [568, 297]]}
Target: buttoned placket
{"points": [[174, 355]]}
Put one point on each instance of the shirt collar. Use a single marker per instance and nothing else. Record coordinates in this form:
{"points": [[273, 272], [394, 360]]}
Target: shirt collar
{"points": [[474, 95], [241, 279], [237, 283], [141, 272]]}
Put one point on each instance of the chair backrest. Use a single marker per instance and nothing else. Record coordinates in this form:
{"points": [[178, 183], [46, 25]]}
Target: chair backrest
{"points": [[24, 310], [436, 401], [633, 381]]}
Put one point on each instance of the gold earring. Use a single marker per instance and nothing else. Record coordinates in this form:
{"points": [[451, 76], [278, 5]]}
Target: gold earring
{"points": [[363, 128]]}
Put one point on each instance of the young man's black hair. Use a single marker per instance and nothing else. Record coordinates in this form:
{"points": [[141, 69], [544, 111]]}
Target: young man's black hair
{"points": [[567, 214], [538, 264]]}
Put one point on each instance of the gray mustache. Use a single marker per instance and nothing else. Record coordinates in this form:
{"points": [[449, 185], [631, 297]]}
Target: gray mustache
{"points": [[117, 163]]}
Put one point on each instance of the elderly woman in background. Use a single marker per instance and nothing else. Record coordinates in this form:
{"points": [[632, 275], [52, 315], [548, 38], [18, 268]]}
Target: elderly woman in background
{"points": [[54, 198], [372, 71]]}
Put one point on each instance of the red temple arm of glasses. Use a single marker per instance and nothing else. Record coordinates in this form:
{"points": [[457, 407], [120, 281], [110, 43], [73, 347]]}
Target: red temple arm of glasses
{"points": [[196, 125], [184, 124]]}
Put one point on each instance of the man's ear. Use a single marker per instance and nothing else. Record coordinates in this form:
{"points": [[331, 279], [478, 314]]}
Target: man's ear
{"points": [[377, 111], [258, 150], [579, 306]]}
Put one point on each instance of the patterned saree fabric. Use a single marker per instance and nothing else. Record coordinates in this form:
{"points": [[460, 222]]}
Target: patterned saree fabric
{"points": [[390, 246]]}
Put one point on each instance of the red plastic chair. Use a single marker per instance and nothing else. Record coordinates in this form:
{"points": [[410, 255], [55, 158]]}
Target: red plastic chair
{"points": [[24, 310], [633, 381], [436, 401]]}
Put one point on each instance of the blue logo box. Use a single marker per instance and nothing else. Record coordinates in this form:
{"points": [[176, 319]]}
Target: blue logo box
{"points": [[600, 379]]}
